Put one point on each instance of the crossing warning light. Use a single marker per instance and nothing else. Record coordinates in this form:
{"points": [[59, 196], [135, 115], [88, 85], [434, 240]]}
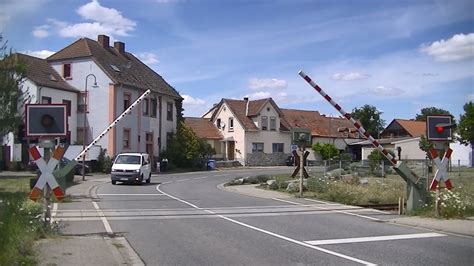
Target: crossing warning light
{"points": [[439, 127], [46, 120]]}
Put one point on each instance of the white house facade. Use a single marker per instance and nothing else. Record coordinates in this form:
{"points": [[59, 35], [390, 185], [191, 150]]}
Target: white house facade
{"points": [[115, 79]]}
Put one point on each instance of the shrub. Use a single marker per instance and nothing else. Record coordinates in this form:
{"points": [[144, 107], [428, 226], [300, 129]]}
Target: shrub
{"points": [[20, 225]]}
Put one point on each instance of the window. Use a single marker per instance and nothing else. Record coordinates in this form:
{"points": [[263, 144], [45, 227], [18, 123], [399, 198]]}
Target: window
{"points": [[218, 123], [126, 138], [169, 111], [82, 103], [154, 107], [277, 147], [264, 123], [273, 123], [127, 100], [257, 147], [46, 100], [67, 71], [68, 107], [146, 107], [231, 124]]}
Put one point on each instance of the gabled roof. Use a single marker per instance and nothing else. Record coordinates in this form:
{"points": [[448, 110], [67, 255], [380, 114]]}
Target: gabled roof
{"points": [[320, 125], [42, 74], [239, 109], [412, 127], [203, 128], [122, 68]]}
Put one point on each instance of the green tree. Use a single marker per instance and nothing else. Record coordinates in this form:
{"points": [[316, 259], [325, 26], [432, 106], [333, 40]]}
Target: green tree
{"points": [[12, 73], [187, 149], [425, 145], [432, 111], [370, 119], [327, 150], [466, 127], [466, 124], [375, 157]]}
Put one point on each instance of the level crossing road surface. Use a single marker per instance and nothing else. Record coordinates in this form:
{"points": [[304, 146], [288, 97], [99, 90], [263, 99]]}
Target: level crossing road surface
{"points": [[188, 219]]}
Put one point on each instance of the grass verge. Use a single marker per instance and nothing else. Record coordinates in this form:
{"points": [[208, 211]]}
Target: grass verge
{"points": [[20, 222]]}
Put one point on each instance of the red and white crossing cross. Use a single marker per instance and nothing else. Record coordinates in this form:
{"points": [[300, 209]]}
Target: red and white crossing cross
{"points": [[46, 176], [442, 172]]}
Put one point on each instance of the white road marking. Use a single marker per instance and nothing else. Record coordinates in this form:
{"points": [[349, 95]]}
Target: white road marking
{"points": [[155, 194], [327, 203], [102, 217], [344, 212], [203, 177], [268, 232], [371, 239]]}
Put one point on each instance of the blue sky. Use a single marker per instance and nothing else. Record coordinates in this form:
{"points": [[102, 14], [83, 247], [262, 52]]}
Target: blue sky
{"points": [[399, 56]]}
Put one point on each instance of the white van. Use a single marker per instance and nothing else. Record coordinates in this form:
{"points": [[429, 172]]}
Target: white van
{"points": [[131, 167]]}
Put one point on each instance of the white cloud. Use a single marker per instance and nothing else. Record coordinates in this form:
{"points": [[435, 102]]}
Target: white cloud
{"points": [[470, 97], [259, 95], [256, 84], [103, 20], [190, 101], [40, 54], [41, 31], [148, 58], [458, 47], [350, 76], [384, 91]]}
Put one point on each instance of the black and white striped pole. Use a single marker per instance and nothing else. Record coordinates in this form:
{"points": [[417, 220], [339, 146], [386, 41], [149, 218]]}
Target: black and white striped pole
{"points": [[113, 124], [67, 168], [417, 195]]}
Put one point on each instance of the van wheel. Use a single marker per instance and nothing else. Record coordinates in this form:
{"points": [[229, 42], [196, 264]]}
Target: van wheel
{"points": [[114, 182], [140, 180], [149, 179]]}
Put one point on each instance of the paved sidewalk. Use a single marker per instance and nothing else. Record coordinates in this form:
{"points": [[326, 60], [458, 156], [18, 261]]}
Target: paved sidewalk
{"points": [[79, 250], [453, 226]]}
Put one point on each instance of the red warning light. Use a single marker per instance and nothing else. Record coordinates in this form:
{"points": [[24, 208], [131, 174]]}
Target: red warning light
{"points": [[439, 129]]}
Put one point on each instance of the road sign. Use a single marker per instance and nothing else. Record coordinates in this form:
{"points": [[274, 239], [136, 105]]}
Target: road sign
{"points": [[442, 172], [298, 163], [46, 169]]}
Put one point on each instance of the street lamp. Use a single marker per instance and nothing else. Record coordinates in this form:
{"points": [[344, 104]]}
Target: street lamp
{"points": [[84, 130]]}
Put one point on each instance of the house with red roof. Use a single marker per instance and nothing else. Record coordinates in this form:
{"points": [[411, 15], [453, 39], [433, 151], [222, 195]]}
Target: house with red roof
{"points": [[258, 132]]}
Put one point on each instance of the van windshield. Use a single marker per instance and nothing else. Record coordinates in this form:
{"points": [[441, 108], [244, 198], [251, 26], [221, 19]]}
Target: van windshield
{"points": [[127, 159]]}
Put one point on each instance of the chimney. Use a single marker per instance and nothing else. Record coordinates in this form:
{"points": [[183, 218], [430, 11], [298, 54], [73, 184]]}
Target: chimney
{"points": [[120, 47], [103, 40], [247, 106]]}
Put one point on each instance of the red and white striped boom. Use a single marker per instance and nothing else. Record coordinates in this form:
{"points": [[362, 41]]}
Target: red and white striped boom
{"points": [[349, 117]]}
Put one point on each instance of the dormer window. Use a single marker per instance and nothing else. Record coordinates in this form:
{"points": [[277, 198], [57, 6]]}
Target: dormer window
{"points": [[67, 71], [115, 68]]}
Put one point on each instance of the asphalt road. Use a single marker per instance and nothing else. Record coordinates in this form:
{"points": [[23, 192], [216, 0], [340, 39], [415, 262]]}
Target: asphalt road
{"points": [[185, 219]]}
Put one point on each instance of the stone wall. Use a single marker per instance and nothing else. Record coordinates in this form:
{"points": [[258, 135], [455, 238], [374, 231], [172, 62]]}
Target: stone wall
{"points": [[266, 159]]}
